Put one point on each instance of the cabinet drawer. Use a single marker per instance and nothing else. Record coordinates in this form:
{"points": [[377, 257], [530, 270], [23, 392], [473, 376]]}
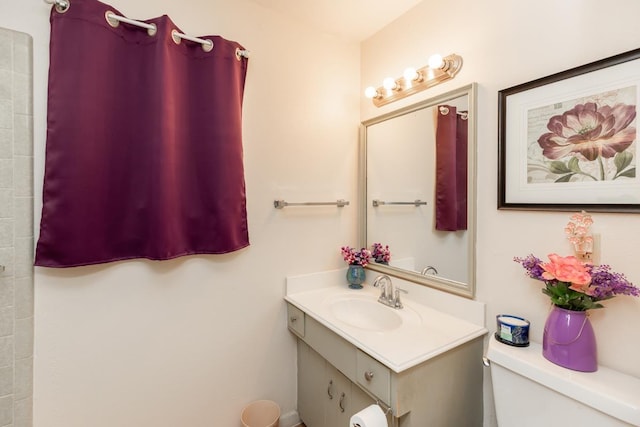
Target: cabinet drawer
{"points": [[336, 350], [295, 320], [374, 377]]}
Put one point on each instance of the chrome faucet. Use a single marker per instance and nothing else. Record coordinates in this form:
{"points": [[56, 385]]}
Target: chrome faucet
{"points": [[384, 282], [388, 295]]}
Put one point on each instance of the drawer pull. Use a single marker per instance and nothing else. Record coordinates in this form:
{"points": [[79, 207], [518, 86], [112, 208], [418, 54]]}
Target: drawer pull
{"points": [[329, 392], [368, 375], [341, 404], [293, 319]]}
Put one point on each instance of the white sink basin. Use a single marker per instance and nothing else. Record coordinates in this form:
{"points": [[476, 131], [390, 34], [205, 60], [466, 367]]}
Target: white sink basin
{"points": [[365, 314]]}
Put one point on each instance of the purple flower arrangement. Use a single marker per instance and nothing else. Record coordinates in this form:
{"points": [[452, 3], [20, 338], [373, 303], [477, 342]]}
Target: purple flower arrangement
{"points": [[380, 253], [356, 257], [573, 284]]}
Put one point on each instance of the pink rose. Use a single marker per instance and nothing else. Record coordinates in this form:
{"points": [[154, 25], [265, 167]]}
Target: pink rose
{"points": [[567, 269]]}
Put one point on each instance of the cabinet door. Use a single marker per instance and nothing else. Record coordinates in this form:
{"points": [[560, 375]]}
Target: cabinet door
{"points": [[313, 388], [326, 398], [348, 399], [338, 410]]}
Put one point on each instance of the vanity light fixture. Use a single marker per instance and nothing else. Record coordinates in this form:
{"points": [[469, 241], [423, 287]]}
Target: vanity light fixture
{"points": [[438, 70]]}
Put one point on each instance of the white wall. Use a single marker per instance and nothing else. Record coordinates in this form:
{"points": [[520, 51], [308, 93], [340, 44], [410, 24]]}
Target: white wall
{"points": [[504, 44], [189, 342]]}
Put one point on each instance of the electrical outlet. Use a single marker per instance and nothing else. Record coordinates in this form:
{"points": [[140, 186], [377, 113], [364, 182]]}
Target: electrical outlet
{"points": [[592, 257]]}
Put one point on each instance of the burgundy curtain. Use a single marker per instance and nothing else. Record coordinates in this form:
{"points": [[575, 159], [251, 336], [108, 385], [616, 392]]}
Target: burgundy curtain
{"points": [[144, 144], [451, 169]]}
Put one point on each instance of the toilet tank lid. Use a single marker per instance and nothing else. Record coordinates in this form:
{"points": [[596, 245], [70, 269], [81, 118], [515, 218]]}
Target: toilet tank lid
{"points": [[607, 390]]}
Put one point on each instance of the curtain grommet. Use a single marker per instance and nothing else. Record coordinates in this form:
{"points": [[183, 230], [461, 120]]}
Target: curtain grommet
{"points": [[113, 22], [241, 53], [152, 31], [207, 47], [174, 36], [61, 6]]}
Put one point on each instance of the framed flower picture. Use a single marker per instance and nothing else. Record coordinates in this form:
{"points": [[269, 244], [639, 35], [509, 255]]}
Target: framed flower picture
{"points": [[568, 141]]}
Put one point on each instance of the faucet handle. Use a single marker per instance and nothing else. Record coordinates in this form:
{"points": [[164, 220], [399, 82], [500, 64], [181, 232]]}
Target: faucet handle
{"points": [[397, 302]]}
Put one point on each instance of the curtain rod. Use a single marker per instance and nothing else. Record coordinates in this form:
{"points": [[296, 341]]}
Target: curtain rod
{"points": [[114, 20]]}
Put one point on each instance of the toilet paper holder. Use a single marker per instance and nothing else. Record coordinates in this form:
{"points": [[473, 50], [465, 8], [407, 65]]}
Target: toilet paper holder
{"points": [[386, 409]]}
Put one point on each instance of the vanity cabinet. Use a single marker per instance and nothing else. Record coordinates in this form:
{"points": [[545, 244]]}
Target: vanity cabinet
{"points": [[333, 374], [326, 397]]}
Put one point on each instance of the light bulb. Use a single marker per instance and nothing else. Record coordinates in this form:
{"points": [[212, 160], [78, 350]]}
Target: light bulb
{"points": [[389, 83], [410, 74], [371, 92], [436, 62]]}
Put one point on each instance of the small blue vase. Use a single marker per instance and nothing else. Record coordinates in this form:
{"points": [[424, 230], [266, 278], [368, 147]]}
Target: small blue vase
{"points": [[355, 276]]}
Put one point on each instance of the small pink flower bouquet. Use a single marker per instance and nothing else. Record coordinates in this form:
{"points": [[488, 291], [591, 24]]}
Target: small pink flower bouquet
{"points": [[380, 253], [356, 257]]}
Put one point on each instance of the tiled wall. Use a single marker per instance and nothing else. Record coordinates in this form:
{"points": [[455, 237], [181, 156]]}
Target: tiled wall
{"points": [[16, 229]]}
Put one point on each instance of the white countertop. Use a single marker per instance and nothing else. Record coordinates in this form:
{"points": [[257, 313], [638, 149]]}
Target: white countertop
{"points": [[425, 331]]}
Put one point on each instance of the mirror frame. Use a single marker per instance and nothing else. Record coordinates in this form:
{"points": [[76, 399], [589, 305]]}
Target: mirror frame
{"points": [[468, 289]]}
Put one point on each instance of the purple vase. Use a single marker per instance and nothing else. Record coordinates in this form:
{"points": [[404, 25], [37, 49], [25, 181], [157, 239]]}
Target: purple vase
{"points": [[569, 341]]}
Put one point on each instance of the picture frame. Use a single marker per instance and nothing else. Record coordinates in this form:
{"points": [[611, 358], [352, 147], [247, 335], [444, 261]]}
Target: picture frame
{"points": [[568, 141]]}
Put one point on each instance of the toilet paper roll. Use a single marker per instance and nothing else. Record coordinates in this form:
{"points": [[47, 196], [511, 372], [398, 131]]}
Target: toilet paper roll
{"points": [[371, 416]]}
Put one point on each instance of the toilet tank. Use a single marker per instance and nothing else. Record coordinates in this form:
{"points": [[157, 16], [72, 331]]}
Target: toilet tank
{"points": [[530, 391]]}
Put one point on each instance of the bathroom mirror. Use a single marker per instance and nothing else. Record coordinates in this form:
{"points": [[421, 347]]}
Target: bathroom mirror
{"points": [[418, 193]]}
